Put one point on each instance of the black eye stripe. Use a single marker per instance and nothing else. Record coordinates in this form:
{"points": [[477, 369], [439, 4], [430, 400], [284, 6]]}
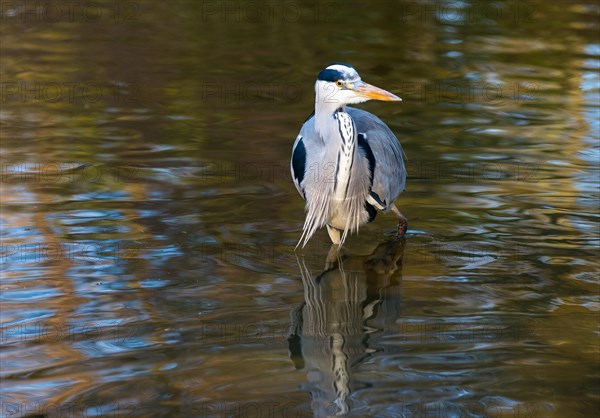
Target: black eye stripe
{"points": [[330, 75]]}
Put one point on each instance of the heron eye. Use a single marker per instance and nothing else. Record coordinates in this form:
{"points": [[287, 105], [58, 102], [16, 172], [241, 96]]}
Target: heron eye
{"points": [[339, 83]]}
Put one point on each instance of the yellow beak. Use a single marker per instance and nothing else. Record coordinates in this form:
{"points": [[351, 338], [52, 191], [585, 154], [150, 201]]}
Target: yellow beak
{"points": [[375, 93]]}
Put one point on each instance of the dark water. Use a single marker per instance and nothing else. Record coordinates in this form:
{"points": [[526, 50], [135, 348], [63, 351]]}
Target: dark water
{"points": [[149, 220]]}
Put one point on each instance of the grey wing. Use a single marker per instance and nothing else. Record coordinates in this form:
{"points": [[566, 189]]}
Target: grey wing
{"points": [[384, 152]]}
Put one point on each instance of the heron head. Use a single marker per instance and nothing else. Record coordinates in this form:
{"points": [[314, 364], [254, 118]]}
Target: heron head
{"points": [[339, 85]]}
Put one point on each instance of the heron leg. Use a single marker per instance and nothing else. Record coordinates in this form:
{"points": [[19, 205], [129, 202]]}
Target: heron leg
{"points": [[332, 257], [334, 234], [402, 222]]}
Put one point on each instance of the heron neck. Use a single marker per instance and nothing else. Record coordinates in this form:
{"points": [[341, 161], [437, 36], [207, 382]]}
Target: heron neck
{"points": [[325, 122]]}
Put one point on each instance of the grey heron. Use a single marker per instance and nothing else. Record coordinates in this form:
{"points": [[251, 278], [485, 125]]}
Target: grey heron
{"points": [[346, 163]]}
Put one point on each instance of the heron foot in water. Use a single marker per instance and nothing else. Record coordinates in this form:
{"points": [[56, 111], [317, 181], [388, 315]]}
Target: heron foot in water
{"points": [[402, 222]]}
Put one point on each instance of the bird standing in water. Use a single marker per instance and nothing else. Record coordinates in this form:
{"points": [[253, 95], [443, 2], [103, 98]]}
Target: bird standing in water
{"points": [[346, 163]]}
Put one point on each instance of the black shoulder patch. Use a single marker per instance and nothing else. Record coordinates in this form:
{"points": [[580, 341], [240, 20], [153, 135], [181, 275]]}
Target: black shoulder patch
{"points": [[362, 143], [299, 161], [371, 211]]}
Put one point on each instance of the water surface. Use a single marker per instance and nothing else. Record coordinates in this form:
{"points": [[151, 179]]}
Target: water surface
{"points": [[149, 218]]}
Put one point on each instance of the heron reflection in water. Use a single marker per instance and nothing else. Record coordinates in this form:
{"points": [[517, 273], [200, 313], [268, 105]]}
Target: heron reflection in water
{"points": [[353, 300]]}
